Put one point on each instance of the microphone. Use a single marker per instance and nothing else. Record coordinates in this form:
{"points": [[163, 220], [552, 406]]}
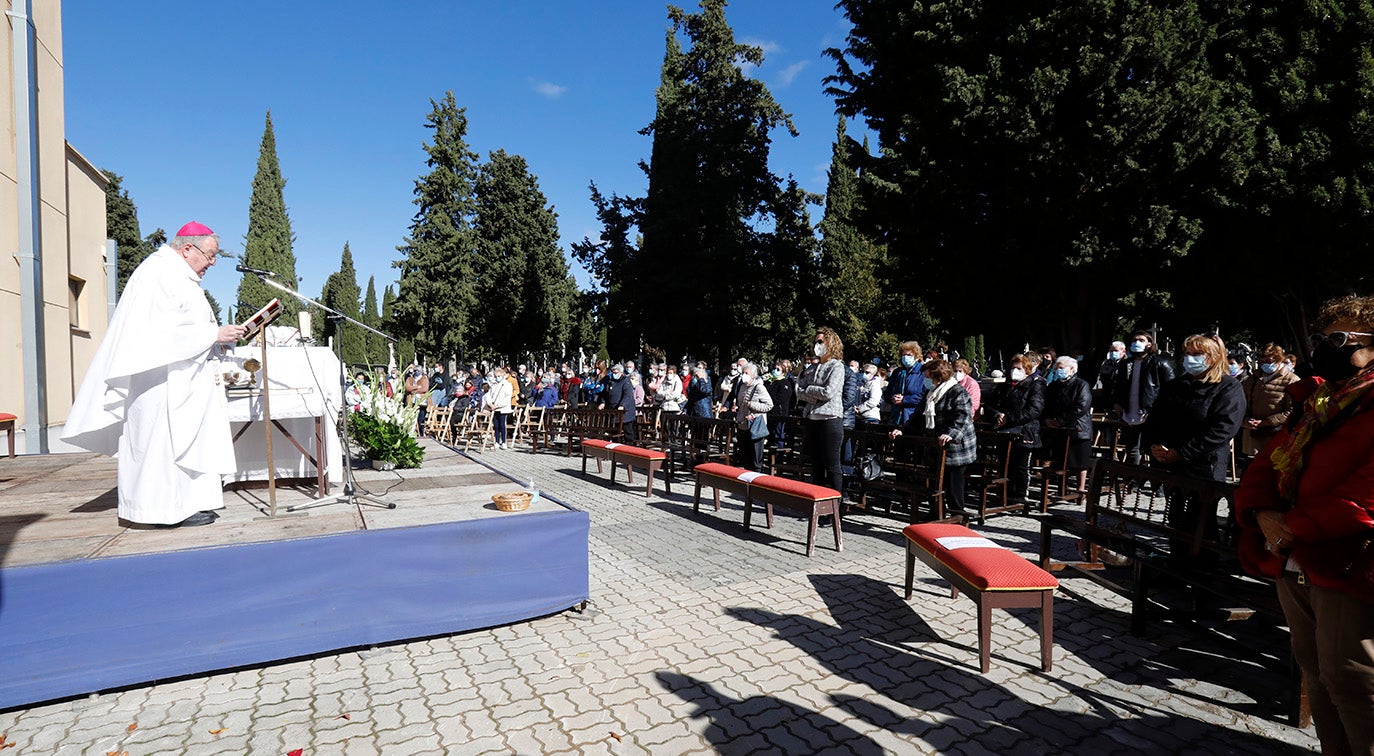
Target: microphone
{"points": [[256, 271]]}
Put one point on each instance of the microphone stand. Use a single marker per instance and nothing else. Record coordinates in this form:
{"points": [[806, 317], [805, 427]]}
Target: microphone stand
{"points": [[349, 493]]}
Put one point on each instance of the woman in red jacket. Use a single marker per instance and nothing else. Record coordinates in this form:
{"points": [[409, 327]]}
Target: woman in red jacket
{"points": [[1306, 505]]}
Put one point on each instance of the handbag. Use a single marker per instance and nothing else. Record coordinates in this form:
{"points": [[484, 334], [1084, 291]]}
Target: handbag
{"points": [[868, 467], [758, 427]]}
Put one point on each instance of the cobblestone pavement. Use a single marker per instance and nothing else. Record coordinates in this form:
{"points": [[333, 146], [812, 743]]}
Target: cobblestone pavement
{"points": [[704, 638]]}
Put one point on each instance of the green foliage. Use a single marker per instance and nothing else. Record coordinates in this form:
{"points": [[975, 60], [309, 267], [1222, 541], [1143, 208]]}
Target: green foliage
{"points": [[710, 194], [268, 242], [438, 292], [519, 264], [121, 224], [385, 427], [341, 293], [214, 305], [374, 350]]}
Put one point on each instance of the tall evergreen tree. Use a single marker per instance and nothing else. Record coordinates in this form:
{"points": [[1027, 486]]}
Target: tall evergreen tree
{"points": [[374, 351], [791, 280], [521, 263], [437, 296], [341, 293], [404, 348], [121, 223], [269, 239], [851, 264]]}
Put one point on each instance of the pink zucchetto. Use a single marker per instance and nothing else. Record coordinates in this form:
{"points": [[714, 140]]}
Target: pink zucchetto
{"points": [[195, 229]]}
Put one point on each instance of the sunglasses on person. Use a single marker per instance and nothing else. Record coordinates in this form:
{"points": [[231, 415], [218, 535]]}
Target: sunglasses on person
{"points": [[1336, 339]]}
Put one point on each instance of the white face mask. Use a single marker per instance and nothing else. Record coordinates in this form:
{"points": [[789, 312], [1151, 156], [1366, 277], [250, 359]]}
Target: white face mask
{"points": [[818, 349], [1017, 374], [959, 375]]}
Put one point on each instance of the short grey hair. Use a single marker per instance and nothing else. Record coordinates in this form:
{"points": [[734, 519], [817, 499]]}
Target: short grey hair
{"points": [[750, 368], [1117, 345], [199, 241], [1067, 362]]}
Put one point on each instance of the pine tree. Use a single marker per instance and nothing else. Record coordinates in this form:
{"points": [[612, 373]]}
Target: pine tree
{"points": [[792, 280], [269, 239], [405, 348], [521, 263], [374, 352], [437, 296], [121, 223]]}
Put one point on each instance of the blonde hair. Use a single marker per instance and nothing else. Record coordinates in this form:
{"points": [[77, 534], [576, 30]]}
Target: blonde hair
{"points": [[834, 348], [962, 364], [910, 347], [1217, 359], [1357, 310]]}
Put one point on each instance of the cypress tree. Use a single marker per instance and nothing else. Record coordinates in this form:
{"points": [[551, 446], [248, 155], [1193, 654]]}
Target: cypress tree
{"points": [[374, 352], [437, 295], [341, 293], [121, 223], [521, 263], [269, 239]]}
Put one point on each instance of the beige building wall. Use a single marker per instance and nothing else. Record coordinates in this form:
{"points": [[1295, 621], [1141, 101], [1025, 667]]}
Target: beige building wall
{"points": [[72, 223]]}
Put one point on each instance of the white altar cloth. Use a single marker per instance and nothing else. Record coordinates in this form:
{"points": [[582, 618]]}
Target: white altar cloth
{"points": [[304, 384]]}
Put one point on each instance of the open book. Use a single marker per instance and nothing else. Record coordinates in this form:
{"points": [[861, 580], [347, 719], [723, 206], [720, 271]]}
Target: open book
{"points": [[262, 318]]}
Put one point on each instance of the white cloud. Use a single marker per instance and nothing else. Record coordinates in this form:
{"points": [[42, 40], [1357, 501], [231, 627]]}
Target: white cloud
{"points": [[789, 74], [768, 46], [549, 89]]}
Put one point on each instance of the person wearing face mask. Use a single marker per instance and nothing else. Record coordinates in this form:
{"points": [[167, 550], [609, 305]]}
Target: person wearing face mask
{"points": [[751, 401], [619, 394], [569, 387], [699, 392], [1196, 415], [498, 401], [1267, 404], [1017, 409], [947, 414], [782, 387], [1116, 356], [1068, 412], [1306, 511], [1135, 386], [669, 395], [962, 374], [820, 391], [870, 397], [906, 387]]}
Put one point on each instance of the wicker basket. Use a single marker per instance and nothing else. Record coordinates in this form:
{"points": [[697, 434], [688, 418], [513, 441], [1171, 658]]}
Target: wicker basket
{"points": [[518, 501]]}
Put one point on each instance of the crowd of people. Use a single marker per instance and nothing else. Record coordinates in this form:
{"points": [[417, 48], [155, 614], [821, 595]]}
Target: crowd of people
{"points": [[1297, 432]]}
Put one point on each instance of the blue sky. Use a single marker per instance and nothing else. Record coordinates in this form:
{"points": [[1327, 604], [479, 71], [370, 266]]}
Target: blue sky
{"points": [[172, 96]]}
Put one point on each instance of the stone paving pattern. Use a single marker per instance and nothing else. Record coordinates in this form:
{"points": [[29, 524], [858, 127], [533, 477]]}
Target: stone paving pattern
{"points": [[703, 638]]}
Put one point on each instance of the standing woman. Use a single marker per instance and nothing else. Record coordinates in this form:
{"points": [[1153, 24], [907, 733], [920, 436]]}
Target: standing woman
{"points": [[752, 403], [498, 400], [1190, 427], [1267, 403], [782, 387], [1069, 412], [819, 390], [947, 414], [1306, 508], [1018, 407]]}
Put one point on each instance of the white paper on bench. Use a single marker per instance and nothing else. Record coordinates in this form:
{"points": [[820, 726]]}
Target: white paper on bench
{"points": [[749, 476], [967, 542], [612, 445]]}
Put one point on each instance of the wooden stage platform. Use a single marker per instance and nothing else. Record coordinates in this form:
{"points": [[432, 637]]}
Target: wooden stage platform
{"points": [[88, 602]]}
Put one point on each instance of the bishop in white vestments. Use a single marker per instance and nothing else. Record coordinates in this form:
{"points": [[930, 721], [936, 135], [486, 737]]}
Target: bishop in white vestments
{"points": [[151, 398]]}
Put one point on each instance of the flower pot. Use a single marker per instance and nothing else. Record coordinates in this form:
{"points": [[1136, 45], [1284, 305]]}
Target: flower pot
{"points": [[381, 464]]}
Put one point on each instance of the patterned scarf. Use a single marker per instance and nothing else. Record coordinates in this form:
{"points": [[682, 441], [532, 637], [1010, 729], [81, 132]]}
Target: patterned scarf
{"points": [[1322, 412]]}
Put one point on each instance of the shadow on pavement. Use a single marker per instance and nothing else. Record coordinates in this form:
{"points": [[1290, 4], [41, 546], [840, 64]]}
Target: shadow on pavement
{"points": [[870, 644]]}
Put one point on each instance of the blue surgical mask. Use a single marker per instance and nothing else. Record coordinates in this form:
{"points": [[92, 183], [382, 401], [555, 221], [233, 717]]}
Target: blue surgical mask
{"points": [[1137, 347], [777, 372], [1195, 364], [908, 360], [929, 384], [1113, 355], [1052, 376], [1233, 369], [1060, 374], [1269, 367]]}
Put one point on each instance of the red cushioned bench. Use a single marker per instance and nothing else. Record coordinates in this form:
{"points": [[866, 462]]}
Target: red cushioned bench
{"points": [[632, 457], [809, 499], [720, 477], [991, 575], [7, 425]]}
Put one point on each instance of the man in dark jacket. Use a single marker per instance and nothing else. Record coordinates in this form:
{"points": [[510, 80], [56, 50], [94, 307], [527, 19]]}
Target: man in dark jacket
{"points": [[619, 394], [1135, 386]]}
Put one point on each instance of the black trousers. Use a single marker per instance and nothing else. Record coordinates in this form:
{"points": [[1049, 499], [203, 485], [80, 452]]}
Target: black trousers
{"points": [[823, 440], [954, 490], [1020, 470], [631, 435]]}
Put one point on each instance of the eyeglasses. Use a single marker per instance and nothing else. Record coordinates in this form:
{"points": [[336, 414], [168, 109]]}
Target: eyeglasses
{"points": [[208, 256], [1336, 339]]}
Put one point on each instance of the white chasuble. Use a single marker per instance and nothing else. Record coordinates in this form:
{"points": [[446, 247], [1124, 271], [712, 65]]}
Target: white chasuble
{"points": [[150, 397]]}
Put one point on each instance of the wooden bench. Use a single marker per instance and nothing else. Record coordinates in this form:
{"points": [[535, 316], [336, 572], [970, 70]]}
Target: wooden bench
{"points": [[648, 460], [993, 576], [7, 424], [913, 471], [720, 477], [1164, 523], [809, 499], [991, 474]]}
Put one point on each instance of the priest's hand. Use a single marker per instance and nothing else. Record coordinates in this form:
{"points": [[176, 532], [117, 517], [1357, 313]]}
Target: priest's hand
{"points": [[228, 334]]}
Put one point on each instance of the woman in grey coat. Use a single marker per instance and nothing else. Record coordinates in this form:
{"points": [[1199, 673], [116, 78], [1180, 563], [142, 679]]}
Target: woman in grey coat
{"points": [[947, 414], [819, 390], [753, 401]]}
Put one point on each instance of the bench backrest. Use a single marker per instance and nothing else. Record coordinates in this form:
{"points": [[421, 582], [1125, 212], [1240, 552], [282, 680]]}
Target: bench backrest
{"points": [[911, 463], [1169, 510]]}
